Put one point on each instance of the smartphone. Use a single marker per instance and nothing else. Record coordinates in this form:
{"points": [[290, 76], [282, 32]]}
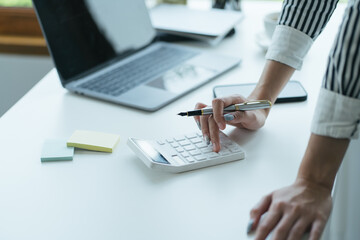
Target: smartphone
{"points": [[292, 92]]}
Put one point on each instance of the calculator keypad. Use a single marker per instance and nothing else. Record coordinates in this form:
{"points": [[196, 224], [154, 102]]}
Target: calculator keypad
{"points": [[191, 148]]}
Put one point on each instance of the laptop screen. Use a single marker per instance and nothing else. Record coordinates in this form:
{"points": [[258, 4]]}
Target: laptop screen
{"points": [[83, 35]]}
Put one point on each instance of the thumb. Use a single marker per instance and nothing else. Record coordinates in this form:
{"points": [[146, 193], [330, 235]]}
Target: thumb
{"points": [[234, 117], [251, 120], [257, 211]]}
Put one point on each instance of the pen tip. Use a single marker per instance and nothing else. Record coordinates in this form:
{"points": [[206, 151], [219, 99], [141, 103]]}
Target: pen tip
{"points": [[182, 114]]}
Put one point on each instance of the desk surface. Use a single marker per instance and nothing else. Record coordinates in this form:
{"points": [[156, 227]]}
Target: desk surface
{"points": [[114, 196]]}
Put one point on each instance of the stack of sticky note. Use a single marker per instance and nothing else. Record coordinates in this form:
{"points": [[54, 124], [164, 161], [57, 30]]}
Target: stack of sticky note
{"points": [[96, 141], [58, 150]]}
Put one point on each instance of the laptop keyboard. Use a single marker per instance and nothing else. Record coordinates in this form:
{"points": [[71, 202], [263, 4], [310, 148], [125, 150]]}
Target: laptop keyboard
{"points": [[138, 71]]}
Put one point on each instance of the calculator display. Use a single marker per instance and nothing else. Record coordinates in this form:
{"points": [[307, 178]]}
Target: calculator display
{"points": [[151, 152]]}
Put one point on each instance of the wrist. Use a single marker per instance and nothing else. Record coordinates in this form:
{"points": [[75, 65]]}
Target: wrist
{"points": [[272, 80], [313, 184], [260, 93], [310, 182]]}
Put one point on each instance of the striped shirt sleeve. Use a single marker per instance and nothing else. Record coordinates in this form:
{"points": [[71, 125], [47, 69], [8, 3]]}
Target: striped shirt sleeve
{"points": [[300, 22], [338, 109], [307, 16], [343, 69]]}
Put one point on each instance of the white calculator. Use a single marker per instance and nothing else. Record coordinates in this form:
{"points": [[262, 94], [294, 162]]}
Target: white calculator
{"points": [[184, 153]]}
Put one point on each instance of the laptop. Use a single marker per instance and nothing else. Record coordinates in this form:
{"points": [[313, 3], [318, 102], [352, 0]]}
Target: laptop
{"points": [[108, 50]]}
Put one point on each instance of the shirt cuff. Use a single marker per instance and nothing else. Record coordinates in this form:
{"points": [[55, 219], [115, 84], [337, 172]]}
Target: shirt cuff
{"points": [[336, 115], [289, 46]]}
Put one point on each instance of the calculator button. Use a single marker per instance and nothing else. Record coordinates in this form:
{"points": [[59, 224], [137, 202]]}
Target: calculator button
{"points": [[180, 149], [189, 148], [199, 134], [224, 152], [185, 154], [191, 135], [200, 158], [212, 155], [174, 145], [232, 145], [196, 140], [226, 141], [235, 149], [180, 138], [194, 152], [177, 159], [207, 150], [170, 140], [201, 145], [184, 143], [161, 142], [190, 159]]}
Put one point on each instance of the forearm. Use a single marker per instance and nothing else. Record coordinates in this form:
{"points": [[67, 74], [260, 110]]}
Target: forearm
{"points": [[322, 160], [273, 79]]}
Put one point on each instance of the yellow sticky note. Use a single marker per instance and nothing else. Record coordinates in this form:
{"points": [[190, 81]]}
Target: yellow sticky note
{"points": [[96, 141]]}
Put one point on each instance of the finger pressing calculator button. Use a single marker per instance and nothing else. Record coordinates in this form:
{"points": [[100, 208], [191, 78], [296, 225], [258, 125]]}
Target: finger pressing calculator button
{"points": [[187, 152]]}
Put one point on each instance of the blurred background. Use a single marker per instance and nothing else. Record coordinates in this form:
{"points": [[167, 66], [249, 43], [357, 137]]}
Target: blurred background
{"points": [[24, 59], [23, 56]]}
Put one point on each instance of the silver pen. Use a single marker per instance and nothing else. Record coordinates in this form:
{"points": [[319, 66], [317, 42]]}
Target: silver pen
{"points": [[245, 106]]}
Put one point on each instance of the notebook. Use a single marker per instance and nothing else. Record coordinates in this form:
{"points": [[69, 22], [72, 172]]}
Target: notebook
{"points": [[108, 50]]}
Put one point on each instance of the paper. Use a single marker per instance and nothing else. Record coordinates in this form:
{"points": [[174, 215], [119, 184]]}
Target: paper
{"points": [[96, 141], [214, 22], [56, 150]]}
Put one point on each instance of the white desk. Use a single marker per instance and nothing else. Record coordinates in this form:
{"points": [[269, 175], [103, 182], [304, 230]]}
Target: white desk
{"points": [[114, 196]]}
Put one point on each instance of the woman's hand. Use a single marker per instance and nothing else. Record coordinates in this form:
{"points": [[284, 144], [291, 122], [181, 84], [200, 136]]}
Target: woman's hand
{"points": [[291, 211], [211, 124]]}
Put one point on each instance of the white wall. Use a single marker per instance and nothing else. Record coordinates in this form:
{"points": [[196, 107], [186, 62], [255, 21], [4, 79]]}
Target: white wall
{"points": [[18, 74]]}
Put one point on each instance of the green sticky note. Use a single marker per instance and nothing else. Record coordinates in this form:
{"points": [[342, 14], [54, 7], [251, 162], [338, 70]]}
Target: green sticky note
{"points": [[56, 150], [96, 141]]}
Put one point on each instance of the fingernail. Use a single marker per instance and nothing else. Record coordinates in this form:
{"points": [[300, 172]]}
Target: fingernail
{"points": [[198, 124], [207, 140], [229, 117], [249, 226], [215, 147]]}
